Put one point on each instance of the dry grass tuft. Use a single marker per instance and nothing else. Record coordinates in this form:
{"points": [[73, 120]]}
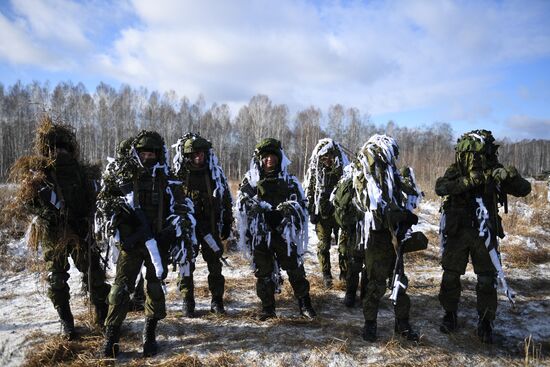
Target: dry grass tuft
{"points": [[521, 256]]}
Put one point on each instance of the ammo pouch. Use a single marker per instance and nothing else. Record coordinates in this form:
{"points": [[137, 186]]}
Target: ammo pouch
{"points": [[416, 242]]}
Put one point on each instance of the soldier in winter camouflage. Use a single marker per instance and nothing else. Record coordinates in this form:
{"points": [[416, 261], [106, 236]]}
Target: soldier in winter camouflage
{"points": [[325, 169], [473, 187], [273, 226], [140, 208], [204, 182], [59, 191], [372, 200]]}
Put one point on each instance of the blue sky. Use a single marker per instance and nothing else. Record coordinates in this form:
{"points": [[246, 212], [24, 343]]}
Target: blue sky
{"points": [[473, 64]]}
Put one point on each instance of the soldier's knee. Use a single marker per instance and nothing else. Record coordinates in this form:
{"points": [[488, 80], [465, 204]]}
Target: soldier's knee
{"points": [[58, 281], [486, 283], [450, 279], [118, 294], [154, 291]]}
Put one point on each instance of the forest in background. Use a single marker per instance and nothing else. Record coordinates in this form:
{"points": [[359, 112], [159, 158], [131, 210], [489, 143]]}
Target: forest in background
{"points": [[104, 117]]}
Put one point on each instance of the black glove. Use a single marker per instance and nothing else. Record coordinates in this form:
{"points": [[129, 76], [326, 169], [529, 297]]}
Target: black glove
{"points": [[403, 217], [226, 232], [273, 218], [314, 218], [167, 236]]}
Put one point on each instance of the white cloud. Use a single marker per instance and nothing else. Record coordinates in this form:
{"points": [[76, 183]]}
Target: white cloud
{"points": [[17, 48], [528, 127], [381, 57]]}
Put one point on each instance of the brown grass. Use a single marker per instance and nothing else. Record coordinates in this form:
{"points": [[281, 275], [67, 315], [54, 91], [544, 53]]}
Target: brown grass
{"points": [[521, 256]]}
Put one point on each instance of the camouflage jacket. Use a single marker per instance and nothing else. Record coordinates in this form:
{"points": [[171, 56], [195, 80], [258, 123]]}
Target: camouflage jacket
{"points": [[213, 211]]}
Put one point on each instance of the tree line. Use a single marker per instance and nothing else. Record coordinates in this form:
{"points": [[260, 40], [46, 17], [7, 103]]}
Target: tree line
{"points": [[106, 116]]}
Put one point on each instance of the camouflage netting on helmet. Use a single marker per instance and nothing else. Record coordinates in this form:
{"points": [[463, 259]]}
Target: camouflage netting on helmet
{"points": [[190, 143], [315, 176], [476, 150], [50, 135]]}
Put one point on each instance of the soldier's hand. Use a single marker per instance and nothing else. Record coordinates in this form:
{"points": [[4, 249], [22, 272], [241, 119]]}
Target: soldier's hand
{"points": [[314, 218], [273, 218], [226, 232], [500, 174]]}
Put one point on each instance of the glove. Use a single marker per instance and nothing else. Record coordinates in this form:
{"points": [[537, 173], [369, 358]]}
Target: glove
{"points": [[226, 232], [167, 236], [500, 174], [273, 218], [403, 217], [314, 218]]}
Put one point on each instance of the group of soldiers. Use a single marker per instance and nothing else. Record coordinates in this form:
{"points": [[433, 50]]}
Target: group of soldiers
{"points": [[156, 213]]}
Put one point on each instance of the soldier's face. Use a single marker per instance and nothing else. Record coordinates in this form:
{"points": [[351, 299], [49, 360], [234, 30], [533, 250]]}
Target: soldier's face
{"points": [[198, 158], [327, 160], [148, 158], [269, 162]]}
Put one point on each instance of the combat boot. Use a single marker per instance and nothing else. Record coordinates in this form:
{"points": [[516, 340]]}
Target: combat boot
{"points": [[306, 309], [110, 347], [449, 322], [327, 280], [150, 346], [485, 331], [369, 331], [403, 328], [349, 299], [189, 308], [267, 313], [67, 321], [216, 306], [101, 310]]}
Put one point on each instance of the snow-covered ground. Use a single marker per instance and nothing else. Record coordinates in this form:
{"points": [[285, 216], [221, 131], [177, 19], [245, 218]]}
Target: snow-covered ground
{"points": [[28, 320]]}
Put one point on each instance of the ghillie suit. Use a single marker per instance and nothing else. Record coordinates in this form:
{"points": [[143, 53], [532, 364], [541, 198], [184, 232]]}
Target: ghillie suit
{"points": [[206, 185], [473, 187], [58, 193], [142, 208], [272, 222], [326, 166], [383, 223], [348, 218]]}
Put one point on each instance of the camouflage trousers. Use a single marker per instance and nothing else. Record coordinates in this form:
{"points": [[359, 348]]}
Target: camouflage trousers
{"points": [[216, 281], [379, 263], [325, 228], [57, 265], [264, 258], [127, 269], [459, 247], [355, 258]]}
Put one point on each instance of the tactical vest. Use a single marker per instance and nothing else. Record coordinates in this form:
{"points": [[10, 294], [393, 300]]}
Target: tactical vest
{"points": [[274, 190], [150, 195]]}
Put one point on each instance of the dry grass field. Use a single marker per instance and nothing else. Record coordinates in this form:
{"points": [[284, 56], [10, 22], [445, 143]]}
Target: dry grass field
{"points": [[522, 334]]}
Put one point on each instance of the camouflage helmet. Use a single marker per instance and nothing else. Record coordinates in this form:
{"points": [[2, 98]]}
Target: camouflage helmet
{"points": [[476, 143], [52, 135], [195, 143], [268, 145], [149, 141], [124, 147]]}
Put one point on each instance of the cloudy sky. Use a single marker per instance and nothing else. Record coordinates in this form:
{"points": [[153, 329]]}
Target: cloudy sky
{"points": [[470, 63]]}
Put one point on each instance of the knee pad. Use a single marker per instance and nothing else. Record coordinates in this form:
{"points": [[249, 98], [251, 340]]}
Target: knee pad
{"points": [[154, 291], [486, 283], [58, 281], [118, 294]]}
